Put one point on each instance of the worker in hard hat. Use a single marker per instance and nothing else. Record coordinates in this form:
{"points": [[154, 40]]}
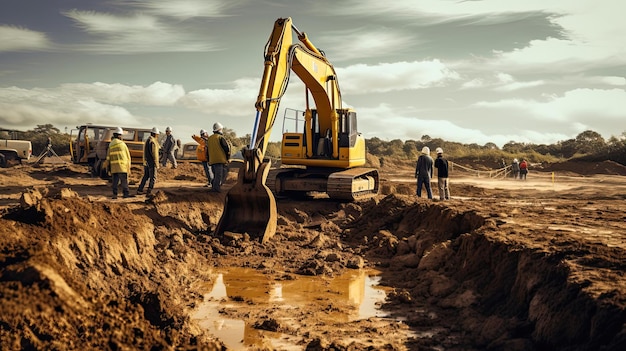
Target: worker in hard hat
{"points": [[169, 146], [150, 162], [118, 159], [202, 154], [424, 172], [219, 154], [442, 175]]}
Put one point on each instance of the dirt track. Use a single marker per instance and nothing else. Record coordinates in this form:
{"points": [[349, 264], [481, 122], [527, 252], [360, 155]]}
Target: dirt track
{"points": [[505, 265]]}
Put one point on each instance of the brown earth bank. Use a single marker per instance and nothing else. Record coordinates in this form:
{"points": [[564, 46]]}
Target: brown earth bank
{"points": [[505, 265]]}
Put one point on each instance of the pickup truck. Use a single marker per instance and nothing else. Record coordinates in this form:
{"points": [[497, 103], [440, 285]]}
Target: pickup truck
{"points": [[14, 151]]}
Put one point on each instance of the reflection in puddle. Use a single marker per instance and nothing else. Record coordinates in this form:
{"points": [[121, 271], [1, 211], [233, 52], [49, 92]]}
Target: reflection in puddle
{"points": [[232, 286]]}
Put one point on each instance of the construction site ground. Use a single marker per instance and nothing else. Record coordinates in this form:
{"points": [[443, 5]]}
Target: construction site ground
{"points": [[504, 265]]}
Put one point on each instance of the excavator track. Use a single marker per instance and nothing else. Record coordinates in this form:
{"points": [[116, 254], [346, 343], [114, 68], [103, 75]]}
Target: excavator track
{"points": [[346, 185], [353, 184]]}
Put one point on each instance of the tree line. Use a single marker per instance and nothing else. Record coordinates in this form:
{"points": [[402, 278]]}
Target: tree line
{"points": [[588, 145]]}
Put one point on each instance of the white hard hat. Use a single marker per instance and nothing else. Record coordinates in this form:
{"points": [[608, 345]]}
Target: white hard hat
{"points": [[426, 150], [202, 131], [118, 130], [168, 129], [515, 160], [155, 130], [439, 150], [217, 126]]}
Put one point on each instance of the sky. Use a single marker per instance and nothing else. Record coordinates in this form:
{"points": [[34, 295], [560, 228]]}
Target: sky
{"points": [[473, 71]]}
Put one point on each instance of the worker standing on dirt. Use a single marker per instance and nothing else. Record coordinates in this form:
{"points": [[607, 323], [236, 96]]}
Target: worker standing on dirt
{"points": [[515, 168], [169, 145], [202, 153], [424, 172], [219, 154], [523, 170], [118, 159], [150, 162], [442, 175]]}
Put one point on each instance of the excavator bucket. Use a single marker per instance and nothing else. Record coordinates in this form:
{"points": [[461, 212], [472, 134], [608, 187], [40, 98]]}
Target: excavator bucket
{"points": [[250, 207]]}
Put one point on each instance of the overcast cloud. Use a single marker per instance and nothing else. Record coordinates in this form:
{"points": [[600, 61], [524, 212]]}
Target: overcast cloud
{"points": [[468, 71]]}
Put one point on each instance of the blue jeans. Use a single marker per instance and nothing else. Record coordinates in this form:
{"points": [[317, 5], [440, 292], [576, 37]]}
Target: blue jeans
{"points": [[426, 182], [208, 172], [149, 173], [220, 170]]}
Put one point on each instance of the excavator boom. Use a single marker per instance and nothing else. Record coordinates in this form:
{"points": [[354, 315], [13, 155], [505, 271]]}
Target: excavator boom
{"points": [[250, 206]]}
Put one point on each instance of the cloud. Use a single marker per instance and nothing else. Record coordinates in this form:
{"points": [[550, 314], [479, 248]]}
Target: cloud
{"points": [[589, 31], [138, 33], [183, 9], [576, 105], [386, 77], [600, 110], [361, 42], [155, 94], [21, 39], [439, 10], [520, 85], [237, 101], [500, 82], [611, 80], [81, 103], [26, 115], [559, 55], [400, 126]]}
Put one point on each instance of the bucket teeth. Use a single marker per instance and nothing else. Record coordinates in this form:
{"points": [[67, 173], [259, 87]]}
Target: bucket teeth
{"points": [[249, 207]]}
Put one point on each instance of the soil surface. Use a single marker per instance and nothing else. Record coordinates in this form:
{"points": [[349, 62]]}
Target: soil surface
{"points": [[504, 265]]}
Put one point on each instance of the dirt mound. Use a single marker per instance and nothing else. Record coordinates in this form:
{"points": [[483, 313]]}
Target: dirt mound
{"points": [[71, 268], [586, 168]]}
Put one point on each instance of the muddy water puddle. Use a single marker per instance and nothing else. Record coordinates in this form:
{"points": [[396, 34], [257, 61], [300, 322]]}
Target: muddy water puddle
{"points": [[236, 295]]}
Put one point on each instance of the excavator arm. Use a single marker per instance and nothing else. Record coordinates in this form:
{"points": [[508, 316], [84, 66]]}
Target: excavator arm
{"points": [[250, 206], [318, 75]]}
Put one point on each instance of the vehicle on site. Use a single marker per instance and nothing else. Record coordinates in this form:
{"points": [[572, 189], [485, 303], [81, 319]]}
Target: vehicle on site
{"points": [[12, 150], [83, 141], [91, 144], [326, 156], [188, 152]]}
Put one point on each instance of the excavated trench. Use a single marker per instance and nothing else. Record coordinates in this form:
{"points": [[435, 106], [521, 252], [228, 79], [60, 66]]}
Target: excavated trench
{"points": [[461, 273], [130, 275]]}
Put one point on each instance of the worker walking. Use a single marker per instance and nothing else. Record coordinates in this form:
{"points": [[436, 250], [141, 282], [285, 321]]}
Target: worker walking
{"points": [[150, 162], [442, 175], [118, 159], [202, 154], [219, 154], [169, 146], [424, 172]]}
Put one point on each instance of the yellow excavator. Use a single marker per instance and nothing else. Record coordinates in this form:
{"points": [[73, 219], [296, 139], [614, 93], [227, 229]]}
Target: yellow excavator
{"points": [[326, 157]]}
